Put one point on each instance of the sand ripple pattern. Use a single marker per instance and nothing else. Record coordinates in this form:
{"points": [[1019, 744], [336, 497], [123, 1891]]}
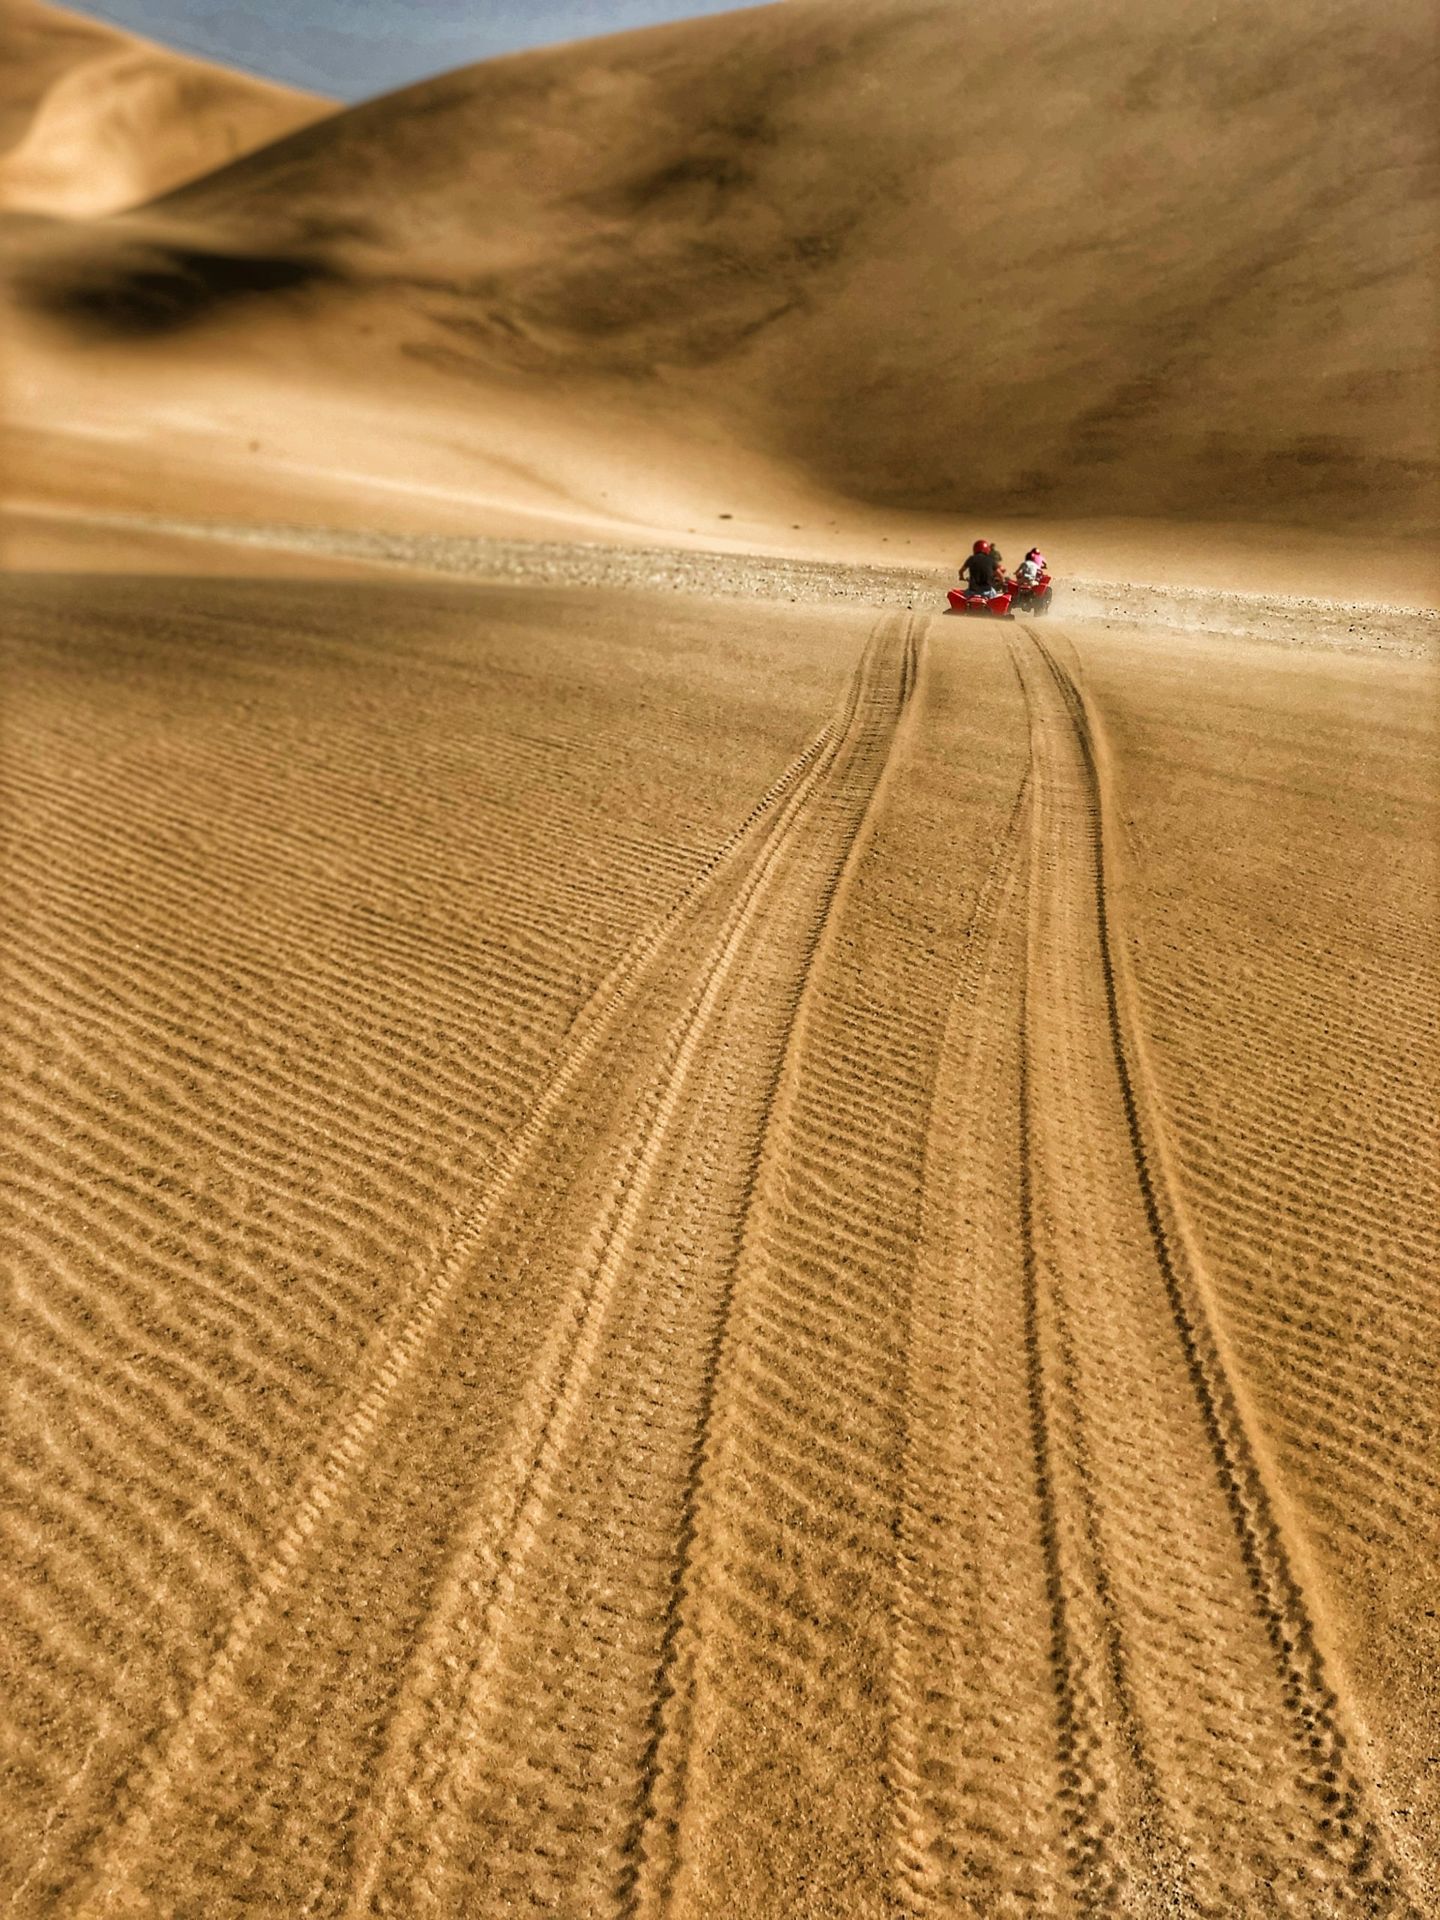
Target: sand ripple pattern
{"points": [[1204, 1759], [277, 987], [805, 1470]]}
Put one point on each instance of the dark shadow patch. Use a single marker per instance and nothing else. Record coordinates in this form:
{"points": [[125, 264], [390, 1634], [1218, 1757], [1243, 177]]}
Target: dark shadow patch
{"points": [[720, 173], [156, 287]]}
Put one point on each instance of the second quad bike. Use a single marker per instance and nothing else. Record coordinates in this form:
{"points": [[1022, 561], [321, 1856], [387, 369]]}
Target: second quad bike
{"points": [[1032, 596]]}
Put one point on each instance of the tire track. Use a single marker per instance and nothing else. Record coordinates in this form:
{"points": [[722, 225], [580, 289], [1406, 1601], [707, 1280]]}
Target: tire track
{"points": [[399, 1343], [790, 1465], [597, 1494], [392, 1376], [1107, 1790], [970, 1762], [1189, 1676]]}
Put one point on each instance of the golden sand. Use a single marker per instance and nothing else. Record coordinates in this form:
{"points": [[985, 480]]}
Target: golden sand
{"points": [[712, 1259], [684, 1239], [93, 119]]}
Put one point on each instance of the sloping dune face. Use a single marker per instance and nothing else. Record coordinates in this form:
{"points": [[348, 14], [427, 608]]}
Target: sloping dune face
{"points": [[39, 43], [95, 119], [1162, 261]]}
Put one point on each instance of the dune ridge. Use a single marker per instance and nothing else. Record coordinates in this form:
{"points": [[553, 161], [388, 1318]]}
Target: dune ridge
{"points": [[1153, 263], [94, 119]]}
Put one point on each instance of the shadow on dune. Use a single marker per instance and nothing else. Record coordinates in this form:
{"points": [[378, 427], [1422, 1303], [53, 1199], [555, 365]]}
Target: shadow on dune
{"points": [[1123, 261], [139, 289]]}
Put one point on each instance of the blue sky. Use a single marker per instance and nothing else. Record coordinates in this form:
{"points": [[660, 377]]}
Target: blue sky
{"points": [[355, 48]]}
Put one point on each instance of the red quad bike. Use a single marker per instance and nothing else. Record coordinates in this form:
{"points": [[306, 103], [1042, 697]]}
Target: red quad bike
{"points": [[1035, 598], [1012, 598]]}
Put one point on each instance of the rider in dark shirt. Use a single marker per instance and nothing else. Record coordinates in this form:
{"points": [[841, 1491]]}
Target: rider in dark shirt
{"points": [[981, 572]]}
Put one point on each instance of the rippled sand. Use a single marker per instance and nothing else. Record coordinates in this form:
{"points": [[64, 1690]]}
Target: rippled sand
{"points": [[714, 1257]]}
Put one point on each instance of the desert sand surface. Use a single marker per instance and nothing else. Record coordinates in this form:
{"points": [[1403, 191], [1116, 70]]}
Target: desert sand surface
{"points": [[684, 1239], [689, 1255], [94, 119]]}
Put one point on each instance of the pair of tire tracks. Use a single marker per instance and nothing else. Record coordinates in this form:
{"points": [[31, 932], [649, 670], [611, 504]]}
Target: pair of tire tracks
{"points": [[537, 1695], [1045, 1767], [797, 832], [1200, 1753], [969, 1767]]}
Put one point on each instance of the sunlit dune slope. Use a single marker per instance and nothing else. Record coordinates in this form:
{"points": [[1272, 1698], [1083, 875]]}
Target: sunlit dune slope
{"points": [[93, 119], [38, 45], [1119, 259]]}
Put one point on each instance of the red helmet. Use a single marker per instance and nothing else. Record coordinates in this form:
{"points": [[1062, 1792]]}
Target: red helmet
{"points": [[981, 546]]}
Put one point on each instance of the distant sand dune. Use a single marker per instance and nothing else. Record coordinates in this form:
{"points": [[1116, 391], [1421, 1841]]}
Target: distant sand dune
{"points": [[108, 120], [1109, 260]]}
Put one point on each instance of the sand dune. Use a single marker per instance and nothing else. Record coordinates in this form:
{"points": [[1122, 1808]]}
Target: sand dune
{"points": [[40, 43], [95, 119], [691, 1259], [685, 1243], [1122, 263]]}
